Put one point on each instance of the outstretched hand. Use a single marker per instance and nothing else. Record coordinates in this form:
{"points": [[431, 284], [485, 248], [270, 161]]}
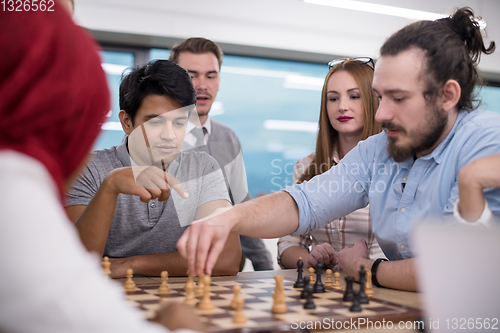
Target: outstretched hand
{"points": [[145, 182], [203, 241]]}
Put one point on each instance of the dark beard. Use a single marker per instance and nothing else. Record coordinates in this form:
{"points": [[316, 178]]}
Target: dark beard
{"points": [[423, 138]]}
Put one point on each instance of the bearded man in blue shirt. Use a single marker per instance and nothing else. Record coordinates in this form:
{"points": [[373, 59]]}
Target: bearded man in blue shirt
{"points": [[425, 79]]}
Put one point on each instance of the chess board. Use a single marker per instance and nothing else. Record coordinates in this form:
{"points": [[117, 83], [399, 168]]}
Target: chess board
{"points": [[258, 303]]}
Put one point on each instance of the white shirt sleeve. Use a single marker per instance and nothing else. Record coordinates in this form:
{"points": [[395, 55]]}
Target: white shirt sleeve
{"points": [[49, 282], [486, 218]]}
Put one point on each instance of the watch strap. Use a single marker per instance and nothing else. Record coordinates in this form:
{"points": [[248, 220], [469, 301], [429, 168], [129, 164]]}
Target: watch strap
{"points": [[374, 272]]}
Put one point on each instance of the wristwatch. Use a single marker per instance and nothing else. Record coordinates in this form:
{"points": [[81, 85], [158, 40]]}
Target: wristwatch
{"points": [[374, 272]]}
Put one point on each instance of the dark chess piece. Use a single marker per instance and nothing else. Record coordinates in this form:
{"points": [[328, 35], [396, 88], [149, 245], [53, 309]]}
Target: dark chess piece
{"points": [[309, 304], [363, 298], [303, 294], [318, 286], [349, 294], [356, 306], [300, 282]]}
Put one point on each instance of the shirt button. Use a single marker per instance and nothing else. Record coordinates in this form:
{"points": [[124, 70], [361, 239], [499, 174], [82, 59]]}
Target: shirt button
{"points": [[405, 179], [152, 205], [403, 210], [402, 247]]}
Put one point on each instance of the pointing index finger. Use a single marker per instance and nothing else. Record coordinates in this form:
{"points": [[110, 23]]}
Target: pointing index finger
{"points": [[174, 183]]}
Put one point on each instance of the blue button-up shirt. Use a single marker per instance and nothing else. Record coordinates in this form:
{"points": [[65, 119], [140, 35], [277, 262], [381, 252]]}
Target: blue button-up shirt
{"points": [[400, 194]]}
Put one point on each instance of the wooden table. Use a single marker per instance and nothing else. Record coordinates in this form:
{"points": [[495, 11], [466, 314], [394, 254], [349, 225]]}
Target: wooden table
{"points": [[403, 298]]}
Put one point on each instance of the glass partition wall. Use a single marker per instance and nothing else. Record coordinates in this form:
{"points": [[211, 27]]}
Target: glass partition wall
{"points": [[272, 105]]}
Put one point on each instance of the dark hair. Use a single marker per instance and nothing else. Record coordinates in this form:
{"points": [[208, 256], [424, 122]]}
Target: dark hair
{"points": [[452, 47], [196, 45], [157, 77]]}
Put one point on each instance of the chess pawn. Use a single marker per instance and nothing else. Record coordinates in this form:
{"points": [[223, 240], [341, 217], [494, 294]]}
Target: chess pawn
{"points": [[349, 292], [164, 288], [311, 275], [303, 294], [279, 304], [236, 298], [336, 284], [200, 290], [206, 304], [356, 306], [309, 304], [239, 317], [106, 266], [129, 284], [189, 288], [368, 284], [300, 282], [318, 286], [328, 283]]}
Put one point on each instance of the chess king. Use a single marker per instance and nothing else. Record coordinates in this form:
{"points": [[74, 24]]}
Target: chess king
{"points": [[424, 78]]}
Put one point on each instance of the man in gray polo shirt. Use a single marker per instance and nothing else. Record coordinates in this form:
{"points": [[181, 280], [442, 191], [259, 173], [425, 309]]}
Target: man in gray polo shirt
{"points": [[123, 207]]}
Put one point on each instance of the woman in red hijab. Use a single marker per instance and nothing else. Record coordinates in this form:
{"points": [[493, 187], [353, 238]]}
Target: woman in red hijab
{"points": [[53, 99]]}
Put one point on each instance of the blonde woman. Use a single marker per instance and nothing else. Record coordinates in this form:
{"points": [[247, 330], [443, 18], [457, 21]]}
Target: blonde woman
{"points": [[348, 106]]}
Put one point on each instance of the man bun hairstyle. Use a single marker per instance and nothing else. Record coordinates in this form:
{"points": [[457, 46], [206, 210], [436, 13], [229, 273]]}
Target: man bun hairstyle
{"points": [[452, 47], [157, 77], [196, 45]]}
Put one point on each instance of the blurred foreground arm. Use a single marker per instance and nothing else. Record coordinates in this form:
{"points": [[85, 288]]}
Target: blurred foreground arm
{"points": [[473, 178]]}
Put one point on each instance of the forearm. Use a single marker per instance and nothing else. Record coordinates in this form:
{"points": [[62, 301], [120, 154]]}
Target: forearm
{"points": [[154, 264], [471, 198], [172, 262], [94, 223], [230, 258], [270, 216], [473, 178], [398, 274], [292, 254]]}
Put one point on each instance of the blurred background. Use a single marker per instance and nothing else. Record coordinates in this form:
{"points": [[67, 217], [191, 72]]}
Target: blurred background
{"points": [[276, 53]]}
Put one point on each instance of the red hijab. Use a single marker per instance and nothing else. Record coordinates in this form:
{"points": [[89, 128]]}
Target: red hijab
{"points": [[53, 91]]}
